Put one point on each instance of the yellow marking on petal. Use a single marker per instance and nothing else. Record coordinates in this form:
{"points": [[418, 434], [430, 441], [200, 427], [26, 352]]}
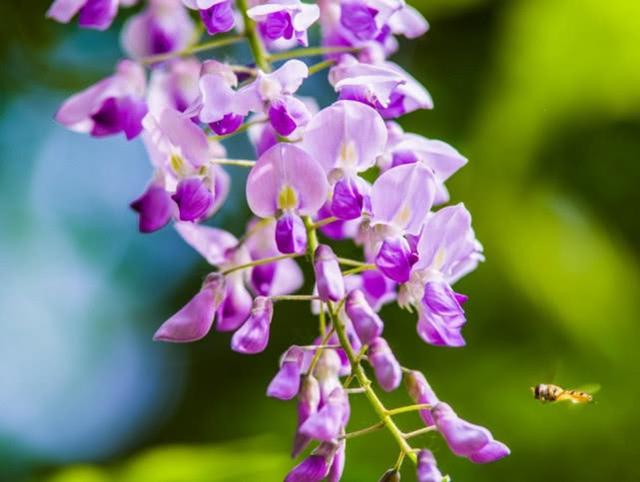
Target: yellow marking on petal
{"points": [[439, 259], [268, 88], [177, 163], [348, 154], [287, 199], [403, 216]]}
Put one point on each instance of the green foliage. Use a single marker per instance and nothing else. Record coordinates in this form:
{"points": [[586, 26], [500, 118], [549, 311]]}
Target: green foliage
{"points": [[239, 461]]}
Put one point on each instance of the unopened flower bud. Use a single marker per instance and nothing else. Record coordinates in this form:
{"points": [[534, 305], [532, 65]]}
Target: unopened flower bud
{"points": [[329, 278], [421, 392], [308, 401], [391, 475], [427, 469], [328, 423], [337, 467], [466, 439], [365, 321], [253, 336], [387, 369]]}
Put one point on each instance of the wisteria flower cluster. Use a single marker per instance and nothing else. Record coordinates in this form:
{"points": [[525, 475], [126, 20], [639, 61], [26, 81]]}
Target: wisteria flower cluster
{"points": [[345, 171]]}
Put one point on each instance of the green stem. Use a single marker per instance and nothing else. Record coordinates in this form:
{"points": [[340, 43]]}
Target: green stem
{"points": [[316, 355], [420, 431], [312, 236], [325, 64], [353, 390], [234, 162], [359, 269], [294, 298], [365, 383], [409, 408], [322, 320], [349, 262], [311, 52], [324, 222], [398, 463], [364, 431], [212, 44], [258, 262], [259, 52]]}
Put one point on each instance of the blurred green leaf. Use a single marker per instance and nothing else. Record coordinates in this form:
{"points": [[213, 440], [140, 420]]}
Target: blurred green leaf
{"points": [[238, 461], [560, 62]]}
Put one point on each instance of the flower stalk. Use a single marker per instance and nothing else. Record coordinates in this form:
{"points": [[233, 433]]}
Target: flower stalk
{"points": [[194, 49]]}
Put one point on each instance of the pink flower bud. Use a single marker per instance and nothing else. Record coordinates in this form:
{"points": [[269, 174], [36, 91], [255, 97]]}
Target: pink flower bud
{"points": [[329, 278], [365, 321], [387, 369], [466, 439], [427, 469], [421, 392]]}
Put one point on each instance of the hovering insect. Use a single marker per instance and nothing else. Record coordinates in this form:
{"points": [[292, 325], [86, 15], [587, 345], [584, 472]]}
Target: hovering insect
{"points": [[546, 392]]}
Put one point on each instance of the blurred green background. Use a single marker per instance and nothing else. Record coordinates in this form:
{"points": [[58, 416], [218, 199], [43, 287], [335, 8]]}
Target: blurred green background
{"points": [[543, 96]]}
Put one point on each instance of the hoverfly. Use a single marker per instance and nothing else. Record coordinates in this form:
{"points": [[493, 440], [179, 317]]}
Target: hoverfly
{"points": [[546, 392]]}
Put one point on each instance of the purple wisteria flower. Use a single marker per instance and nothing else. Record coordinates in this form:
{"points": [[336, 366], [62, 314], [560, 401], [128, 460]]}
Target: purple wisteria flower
{"points": [[440, 157], [221, 249], [377, 288], [400, 201], [95, 14], [318, 465], [370, 25], [427, 467], [180, 153], [366, 322], [174, 85], [466, 439], [272, 279], [447, 250], [155, 208], [421, 393], [113, 105], [272, 94], [386, 87], [387, 369], [328, 423], [194, 320], [164, 26], [346, 138], [286, 384], [286, 182], [253, 336], [309, 399], [216, 15], [284, 19], [329, 281]]}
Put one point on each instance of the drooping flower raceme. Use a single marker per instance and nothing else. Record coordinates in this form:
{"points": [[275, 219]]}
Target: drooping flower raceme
{"points": [[342, 171]]}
